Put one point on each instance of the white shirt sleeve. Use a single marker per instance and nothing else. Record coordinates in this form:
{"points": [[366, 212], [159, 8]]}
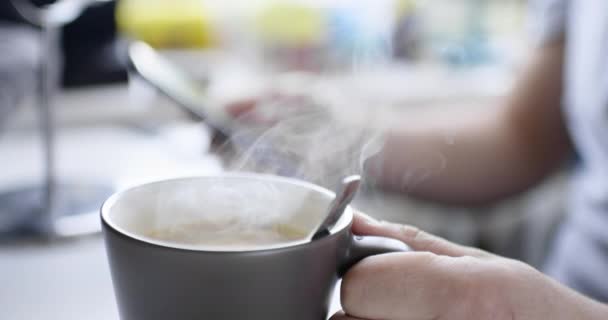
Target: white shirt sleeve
{"points": [[548, 19]]}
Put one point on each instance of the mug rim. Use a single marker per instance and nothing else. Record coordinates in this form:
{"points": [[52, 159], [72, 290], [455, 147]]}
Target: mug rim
{"points": [[113, 199]]}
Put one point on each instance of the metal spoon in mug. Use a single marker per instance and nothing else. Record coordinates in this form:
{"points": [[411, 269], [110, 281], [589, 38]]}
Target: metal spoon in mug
{"points": [[344, 196]]}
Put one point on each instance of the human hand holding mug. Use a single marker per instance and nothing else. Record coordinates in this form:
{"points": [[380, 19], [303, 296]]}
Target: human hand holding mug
{"points": [[443, 280]]}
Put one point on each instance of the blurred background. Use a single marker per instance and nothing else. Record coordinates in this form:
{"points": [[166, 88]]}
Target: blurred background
{"points": [[99, 95]]}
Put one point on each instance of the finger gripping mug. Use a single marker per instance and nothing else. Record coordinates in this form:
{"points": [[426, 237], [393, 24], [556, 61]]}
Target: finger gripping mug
{"points": [[159, 280]]}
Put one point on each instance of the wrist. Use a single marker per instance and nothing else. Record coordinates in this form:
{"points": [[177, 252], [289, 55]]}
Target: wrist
{"points": [[533, 295], [575, 305]]}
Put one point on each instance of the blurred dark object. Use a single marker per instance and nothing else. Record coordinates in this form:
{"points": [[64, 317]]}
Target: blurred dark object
{"points": [[407, 36], [20, 47], [90, 44], [91, 48]]}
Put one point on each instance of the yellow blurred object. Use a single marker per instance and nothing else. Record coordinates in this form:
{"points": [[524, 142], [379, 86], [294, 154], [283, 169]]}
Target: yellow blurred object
{"points": [[167, 24], [291, 24], [406, 7]]}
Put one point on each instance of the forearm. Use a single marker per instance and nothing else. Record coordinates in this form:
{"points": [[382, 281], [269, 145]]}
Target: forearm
{"points": [[536, 296], [468, 163], [498, 152]]}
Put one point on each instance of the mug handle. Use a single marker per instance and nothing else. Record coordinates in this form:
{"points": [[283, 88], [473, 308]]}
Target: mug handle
{"points": [[362, 247]]}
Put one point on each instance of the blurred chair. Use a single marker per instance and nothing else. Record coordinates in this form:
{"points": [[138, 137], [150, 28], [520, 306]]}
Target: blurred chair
{"points": [[20, 47], [19, 63], [52, 208]]}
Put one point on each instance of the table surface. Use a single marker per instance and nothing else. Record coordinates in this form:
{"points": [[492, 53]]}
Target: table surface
{"points": [[60, 280], [57, 280]]}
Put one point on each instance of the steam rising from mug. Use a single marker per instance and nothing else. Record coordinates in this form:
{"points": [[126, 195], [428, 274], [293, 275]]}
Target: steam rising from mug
{"points": [[308, 143], [314, 133], [304, 141]]}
